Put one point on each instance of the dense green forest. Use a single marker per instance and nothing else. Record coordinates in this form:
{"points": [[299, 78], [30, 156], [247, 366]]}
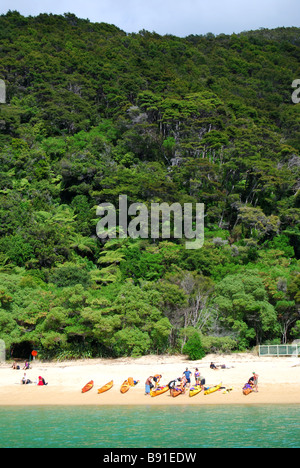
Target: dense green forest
{"points": [[93, 112]]}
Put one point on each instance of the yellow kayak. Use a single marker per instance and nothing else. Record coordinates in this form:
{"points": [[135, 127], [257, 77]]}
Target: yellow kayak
{"points": [[125, 386], [195, 390], [159, 391], [213, 389]]}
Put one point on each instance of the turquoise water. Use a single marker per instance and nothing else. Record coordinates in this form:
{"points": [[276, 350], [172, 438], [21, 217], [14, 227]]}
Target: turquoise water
{"points": [[151, 427]]}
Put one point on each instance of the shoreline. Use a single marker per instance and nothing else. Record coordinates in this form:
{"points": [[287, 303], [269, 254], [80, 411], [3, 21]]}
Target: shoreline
{"points": [[279, 381]]}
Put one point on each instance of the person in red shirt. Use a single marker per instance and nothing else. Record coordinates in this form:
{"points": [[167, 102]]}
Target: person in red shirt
{"points": [[41, 381]]}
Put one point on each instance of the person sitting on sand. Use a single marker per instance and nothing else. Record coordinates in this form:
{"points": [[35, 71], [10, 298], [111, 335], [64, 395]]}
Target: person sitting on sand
{"points": [[41, 381], [226, 366], [25, 380], [213, 366], [15, 366], [26, 365]]}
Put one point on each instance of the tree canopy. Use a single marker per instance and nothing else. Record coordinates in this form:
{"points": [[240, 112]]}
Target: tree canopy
{"points": [[91, 113]]}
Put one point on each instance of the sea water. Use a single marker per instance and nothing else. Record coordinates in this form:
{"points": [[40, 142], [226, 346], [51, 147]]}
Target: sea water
{"points": [[266, 426]]}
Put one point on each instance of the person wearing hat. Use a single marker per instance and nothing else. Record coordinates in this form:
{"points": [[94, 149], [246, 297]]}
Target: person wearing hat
{"points": [[253, 381]]}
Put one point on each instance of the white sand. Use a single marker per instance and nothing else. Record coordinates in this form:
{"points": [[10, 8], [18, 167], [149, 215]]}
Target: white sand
{"points": [[279, 381]]}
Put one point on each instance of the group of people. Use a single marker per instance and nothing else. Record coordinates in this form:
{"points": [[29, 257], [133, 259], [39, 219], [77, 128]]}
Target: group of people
{"points": [[25, 380], [40, 381], [15, 366], [182, 382]]}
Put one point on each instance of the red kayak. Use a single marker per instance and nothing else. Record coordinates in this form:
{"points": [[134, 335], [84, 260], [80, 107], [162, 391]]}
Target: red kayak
{"points": [[88, 387]]}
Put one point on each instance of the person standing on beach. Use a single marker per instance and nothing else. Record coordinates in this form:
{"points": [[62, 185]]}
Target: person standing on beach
{"points": [[199, 379], [253, 381], [187, 373], [197, 376], [148, 385], [202, 381], [156, 379]]}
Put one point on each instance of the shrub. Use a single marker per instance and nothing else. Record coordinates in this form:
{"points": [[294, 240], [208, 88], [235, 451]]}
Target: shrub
{"points": [[193, 348]]}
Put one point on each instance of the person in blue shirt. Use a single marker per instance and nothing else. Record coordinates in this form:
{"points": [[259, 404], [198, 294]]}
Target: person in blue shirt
{"points": [[187, 375]]}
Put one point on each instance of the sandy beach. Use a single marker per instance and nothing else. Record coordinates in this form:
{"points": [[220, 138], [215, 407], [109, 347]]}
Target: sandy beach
{"points": [[279, 381]]}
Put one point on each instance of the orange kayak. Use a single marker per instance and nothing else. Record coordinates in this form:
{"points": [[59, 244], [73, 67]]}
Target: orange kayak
{"points": [[106, 387], [132, 382], [125, 387], [88, 387], [176, 391], [247, 389]]}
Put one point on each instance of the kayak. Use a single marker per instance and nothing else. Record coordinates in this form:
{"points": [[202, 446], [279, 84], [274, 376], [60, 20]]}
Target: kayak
{"points": [[125, 386], [247, 389], [88, 387], [176, 391], [210, 390], [106, 387], [132, 382], [159, 390], [195, 390]]}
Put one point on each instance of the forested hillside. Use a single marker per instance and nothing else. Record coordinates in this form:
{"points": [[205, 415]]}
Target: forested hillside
{"points": [[92, 113]]}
